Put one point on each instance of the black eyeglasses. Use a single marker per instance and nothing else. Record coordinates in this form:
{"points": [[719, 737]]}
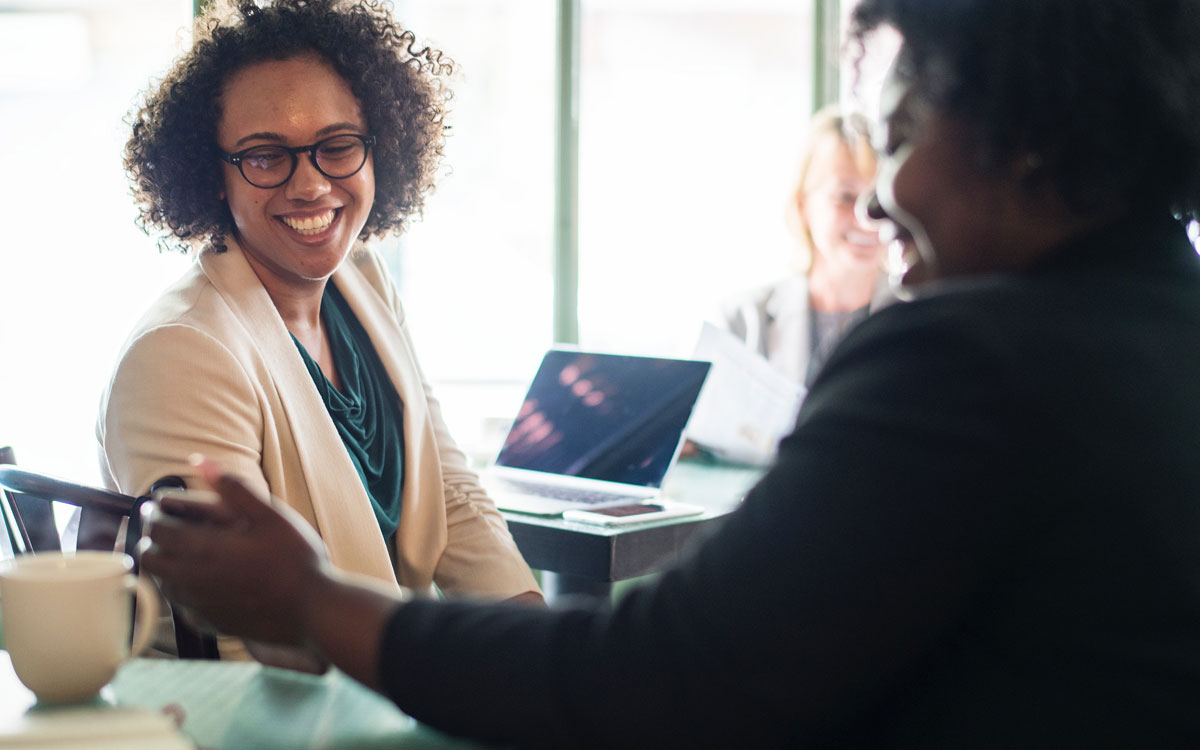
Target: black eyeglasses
{"points": [[337, 157]]}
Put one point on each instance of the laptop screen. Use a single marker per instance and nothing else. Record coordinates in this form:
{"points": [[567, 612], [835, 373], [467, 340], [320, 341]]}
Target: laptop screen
{"points": [[613, 417]]}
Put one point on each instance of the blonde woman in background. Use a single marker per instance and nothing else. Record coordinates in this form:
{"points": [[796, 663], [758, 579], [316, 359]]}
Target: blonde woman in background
{"points": [[796, 322]]}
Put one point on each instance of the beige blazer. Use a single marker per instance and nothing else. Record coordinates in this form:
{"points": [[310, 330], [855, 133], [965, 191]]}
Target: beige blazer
{"points": [[211, 368]]}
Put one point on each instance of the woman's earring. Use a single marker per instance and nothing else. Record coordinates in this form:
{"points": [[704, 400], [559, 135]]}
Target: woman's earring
{"points": [[867, 209]]}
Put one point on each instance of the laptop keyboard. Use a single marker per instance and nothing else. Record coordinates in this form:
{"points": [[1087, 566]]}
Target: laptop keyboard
{"points": [[571, 494]]}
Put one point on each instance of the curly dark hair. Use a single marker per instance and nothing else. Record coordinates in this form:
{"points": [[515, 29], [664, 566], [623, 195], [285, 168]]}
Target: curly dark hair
{"points": [[1105, 94], [172, 156]]}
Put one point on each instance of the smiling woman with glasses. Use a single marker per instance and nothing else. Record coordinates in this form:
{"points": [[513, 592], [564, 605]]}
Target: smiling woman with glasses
{"points": [[291, 135]]}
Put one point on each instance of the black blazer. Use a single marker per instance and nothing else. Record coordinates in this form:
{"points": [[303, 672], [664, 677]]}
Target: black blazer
{"points": [[984, 532]]}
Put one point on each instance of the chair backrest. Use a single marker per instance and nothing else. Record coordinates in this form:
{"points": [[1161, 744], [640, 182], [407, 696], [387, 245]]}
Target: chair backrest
{"points": [[25, 489], [30, 495]]}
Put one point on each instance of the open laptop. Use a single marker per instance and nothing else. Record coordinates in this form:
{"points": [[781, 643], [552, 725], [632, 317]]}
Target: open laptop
{"points": [[595, 431]]}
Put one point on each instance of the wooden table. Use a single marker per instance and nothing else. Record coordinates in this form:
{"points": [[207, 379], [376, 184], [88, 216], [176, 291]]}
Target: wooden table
{"points": [[583, 559]]}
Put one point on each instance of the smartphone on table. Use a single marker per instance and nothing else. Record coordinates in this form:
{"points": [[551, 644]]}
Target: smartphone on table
{"points": [[204, 496], [627, 515]]}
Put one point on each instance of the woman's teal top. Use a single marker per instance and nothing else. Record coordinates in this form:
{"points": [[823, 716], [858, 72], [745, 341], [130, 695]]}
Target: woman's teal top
{"points": [[367, 410]]}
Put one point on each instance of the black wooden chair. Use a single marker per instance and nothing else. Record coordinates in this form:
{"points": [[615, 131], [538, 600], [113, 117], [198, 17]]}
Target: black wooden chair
{"points": [[29, 520]]}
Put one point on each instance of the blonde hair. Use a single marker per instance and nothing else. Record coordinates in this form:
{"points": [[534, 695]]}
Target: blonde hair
{"points": [[850, 129]]}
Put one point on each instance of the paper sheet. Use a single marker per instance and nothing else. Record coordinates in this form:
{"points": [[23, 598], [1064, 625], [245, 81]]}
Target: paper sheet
{"points": [[746, 405]]}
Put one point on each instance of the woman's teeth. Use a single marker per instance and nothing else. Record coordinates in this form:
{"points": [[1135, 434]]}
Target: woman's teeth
{"points": [[310, 224], [863, 239]]}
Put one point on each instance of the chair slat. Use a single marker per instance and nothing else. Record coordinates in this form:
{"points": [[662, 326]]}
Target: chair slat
{"points": [[51, 488]]}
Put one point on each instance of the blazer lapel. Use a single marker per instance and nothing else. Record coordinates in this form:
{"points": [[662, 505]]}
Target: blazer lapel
{"points": [[344, 516]]}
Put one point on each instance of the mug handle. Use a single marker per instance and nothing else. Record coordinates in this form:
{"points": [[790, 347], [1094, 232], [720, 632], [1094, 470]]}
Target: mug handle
{"points": [[147, 612]]}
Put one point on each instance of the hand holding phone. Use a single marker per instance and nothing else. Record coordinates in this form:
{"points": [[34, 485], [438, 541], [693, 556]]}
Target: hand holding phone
{"points": [[184, 503], [199, 496], [628, 515]]}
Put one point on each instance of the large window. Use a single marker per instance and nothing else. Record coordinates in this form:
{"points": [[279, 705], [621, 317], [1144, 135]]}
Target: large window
{"points": [[75, 273], [691, 112], [690, 116], [476, 271]]}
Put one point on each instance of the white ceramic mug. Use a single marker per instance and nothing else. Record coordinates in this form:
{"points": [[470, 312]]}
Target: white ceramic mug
{"points": [[66, 620]]}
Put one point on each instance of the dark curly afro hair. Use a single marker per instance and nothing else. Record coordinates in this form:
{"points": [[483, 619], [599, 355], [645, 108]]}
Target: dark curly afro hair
{"points": [[1104, 93], [172, 156]]}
